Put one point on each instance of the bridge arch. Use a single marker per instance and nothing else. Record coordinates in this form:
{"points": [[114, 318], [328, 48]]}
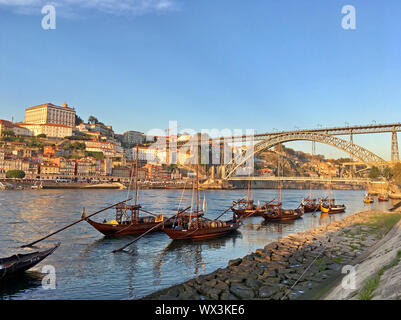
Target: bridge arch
{"points": [[352, 149]]}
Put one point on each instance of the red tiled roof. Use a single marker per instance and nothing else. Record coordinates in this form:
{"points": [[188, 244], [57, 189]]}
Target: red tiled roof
{"points": [[7, 123], [49, 164], [44, 124]]}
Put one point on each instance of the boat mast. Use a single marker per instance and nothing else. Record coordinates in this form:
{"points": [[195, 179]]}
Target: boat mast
{"points": [[197, 188], [249, 186], [330, 193], [136, 176], [197, 196]]}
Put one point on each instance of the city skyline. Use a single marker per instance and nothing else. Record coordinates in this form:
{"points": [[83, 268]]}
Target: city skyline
{"points": [[284, 66]]}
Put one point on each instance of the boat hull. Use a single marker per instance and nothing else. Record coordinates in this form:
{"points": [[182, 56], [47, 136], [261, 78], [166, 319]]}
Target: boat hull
{"points": [[199, 234], [332, 210], [295, 214], [19, 263], [311, 207], [124, 229]]}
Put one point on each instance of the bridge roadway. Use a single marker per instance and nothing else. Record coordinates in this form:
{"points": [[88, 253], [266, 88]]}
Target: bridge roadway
{"points": [[303, 179]]}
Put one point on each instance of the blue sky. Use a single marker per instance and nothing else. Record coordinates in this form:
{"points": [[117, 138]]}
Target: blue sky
{"points": [[261, 64]]}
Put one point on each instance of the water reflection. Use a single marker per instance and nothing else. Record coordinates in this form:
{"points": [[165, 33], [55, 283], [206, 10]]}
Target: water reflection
{"points": [[26, 282], [189, 252]]}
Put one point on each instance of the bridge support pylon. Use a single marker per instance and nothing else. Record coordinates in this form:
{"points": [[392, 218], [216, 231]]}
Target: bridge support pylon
{"points": [[394, 147]]}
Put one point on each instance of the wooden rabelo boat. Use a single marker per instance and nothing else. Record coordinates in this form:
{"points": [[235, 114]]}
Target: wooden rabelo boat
{"points": [[19, 263], [127, 218], [127, 221], [329, 206], [193, 225], [332, 209], [310, 205], [275, 211], [246, 208]]}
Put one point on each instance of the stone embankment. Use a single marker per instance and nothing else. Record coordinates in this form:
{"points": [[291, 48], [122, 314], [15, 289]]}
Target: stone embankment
{"points": [[299, 266], [377, 276]]}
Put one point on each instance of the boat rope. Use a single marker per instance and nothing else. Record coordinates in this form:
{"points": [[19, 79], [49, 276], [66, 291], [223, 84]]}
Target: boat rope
{"points": [[151, 229], [300, 277], [192, 201], [226, 210], [130, 184], [83, 218], [204, 205], [182, 196]]}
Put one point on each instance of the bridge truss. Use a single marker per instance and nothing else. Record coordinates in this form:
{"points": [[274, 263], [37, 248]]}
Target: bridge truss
{"points": [[354, 150]]}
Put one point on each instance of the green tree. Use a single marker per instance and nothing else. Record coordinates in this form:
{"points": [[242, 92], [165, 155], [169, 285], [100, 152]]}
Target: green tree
{"points": [[42, 135], [397, 173], [7, 138], [67, 146], [93, 120], [79, 146], [78, 120], [94, 154], [171, 167], [387, 173], [374, 172], [290, 151], [15, 174], [8, 133]]}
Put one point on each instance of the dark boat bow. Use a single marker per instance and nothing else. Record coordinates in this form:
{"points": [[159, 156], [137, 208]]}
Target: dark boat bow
{"points": [[21, 262]]}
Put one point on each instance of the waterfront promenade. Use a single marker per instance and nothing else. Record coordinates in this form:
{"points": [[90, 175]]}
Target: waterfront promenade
{"points": [[110, 182]]}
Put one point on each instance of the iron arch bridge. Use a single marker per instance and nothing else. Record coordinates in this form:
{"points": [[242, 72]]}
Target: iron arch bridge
{"points": [[354, 150]]}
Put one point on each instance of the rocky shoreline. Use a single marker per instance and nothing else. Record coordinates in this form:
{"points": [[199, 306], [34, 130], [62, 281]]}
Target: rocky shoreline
{"points": [[298, 266]]}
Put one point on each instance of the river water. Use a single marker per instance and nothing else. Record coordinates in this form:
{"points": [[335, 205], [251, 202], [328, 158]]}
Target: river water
{"points": [[85, 266]]}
